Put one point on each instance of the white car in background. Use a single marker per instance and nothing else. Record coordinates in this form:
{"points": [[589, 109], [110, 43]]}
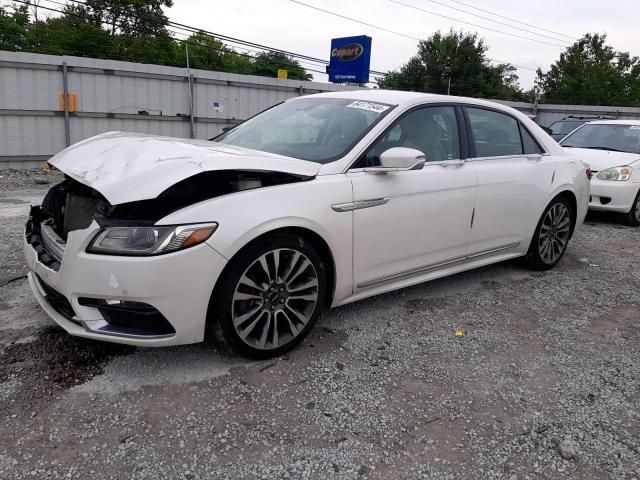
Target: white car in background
{"points": [[612, 150], [319, 201]]}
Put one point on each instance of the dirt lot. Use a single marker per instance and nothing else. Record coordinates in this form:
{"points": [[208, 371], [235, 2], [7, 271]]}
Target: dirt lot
{"points": [[545, 383]]}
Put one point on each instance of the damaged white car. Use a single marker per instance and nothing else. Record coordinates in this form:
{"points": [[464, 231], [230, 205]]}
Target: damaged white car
{"points": [[316, 202]]}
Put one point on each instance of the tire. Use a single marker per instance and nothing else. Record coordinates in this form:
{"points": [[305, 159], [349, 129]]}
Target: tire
{"points": [[269, 296], [633, 217], [551, 236]]}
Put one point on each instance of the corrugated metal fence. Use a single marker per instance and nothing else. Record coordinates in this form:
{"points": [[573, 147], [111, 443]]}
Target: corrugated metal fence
{"points": [[112, 95], [547, 114]]}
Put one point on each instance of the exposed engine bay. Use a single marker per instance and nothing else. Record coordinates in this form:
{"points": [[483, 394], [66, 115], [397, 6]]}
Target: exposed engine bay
{"points": [[71, 205]]}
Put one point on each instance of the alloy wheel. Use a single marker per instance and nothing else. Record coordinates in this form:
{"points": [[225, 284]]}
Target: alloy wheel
{"points": [[275, 298], [554, 233], [637, 210]]}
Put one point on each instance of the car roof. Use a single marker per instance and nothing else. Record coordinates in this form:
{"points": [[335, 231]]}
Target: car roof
{"points": [[402, 98], [615, 122]]}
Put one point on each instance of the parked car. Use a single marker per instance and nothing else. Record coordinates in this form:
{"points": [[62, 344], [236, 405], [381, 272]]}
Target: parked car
{"points": [[319, 201], [612, 149], [562, 128]]}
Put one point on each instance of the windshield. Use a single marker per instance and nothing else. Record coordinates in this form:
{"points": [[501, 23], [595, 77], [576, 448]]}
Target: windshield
{"points": [[564, 127], [621, 138], [317, 129]]}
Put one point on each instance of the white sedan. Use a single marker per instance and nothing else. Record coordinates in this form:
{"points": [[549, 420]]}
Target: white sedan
{"points": [[612, 150], [317, 202]]}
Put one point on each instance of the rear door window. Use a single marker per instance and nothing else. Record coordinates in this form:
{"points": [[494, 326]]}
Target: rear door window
{"points": [[494, 134], [529, 144]]}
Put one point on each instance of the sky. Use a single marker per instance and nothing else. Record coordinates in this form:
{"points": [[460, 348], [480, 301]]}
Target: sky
{"points": [[290, 26]]}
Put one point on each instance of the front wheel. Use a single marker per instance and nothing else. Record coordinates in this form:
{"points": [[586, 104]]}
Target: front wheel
{"points": [[551, 236], [271, 295], [633, 217]]}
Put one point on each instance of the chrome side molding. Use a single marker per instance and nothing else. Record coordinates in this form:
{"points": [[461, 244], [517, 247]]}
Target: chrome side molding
{"points": [[349, 207], [436, 266]]}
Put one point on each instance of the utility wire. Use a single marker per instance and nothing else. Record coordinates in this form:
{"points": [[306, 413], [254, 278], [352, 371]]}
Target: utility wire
{"points": [[438, 82], [513, 19], [196, 44], [355, 20], [234, 40], [474, 24], [499, 22], [224, 50], [396, 33]]}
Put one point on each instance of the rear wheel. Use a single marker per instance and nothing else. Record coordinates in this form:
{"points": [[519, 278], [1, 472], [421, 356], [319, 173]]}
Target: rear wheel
{"points": [[633, 217], [271, 295], [551, 236]]}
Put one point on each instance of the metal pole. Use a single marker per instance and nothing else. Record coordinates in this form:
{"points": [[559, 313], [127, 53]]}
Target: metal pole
{"points": [[449, 87], [192, 129], [65, 97], [190, 78]]}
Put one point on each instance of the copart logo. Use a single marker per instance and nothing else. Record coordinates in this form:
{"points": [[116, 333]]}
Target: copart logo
{"points": [[348, 52]]}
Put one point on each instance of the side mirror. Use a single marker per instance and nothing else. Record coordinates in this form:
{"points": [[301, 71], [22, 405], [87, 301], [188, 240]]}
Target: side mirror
{"points": [[399, 159], [547, 129]]}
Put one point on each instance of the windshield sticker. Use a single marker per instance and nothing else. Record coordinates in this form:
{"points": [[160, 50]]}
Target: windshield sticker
{"points": [[634, 127], [371, 107]]}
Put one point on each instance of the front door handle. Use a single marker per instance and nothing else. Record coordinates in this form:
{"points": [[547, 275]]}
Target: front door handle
{"points": [[451, 163], [534, 158]]}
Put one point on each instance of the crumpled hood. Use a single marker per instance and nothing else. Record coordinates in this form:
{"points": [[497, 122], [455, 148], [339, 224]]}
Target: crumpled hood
{"points": [[126, 167], [599, 160]]}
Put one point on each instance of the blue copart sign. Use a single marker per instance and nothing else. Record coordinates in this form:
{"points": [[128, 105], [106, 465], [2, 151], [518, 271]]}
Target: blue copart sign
{"points": [[350, 59]]}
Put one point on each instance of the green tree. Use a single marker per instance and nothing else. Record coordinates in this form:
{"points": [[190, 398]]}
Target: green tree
{"points": [[266, 64], [13, 28], [590, 72], [129, 17], [207, 53], [68, 35], [129, 30], [455, 62]]}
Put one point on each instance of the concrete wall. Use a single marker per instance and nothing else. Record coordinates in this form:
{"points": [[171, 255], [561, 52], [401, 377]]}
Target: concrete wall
{"points": [[111, 93]]}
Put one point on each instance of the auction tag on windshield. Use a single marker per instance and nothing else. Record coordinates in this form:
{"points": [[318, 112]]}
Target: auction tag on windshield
{"points": [[372, 107]]}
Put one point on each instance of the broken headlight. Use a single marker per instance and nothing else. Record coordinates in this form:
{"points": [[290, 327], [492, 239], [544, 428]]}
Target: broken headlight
{"points": [[152, 240]]}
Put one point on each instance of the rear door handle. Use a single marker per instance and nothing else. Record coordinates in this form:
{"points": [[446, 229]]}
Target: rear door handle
{"points": [[534, 158]]}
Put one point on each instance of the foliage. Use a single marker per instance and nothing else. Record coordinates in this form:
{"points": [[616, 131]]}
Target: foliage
{"points": [[590, 72], [13, 28], [129, 30], [267, 64], [455, 62]]}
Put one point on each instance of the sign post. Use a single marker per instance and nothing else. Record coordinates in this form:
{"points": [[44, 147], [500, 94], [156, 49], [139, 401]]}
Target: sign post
{"points": [[350, 59]]}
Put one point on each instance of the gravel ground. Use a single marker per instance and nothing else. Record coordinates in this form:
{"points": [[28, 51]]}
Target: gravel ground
{"points": [[544, 384]]}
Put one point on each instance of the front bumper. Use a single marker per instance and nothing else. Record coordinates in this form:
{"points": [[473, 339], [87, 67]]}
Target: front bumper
{"points": [[612, 196], [177, 285]]}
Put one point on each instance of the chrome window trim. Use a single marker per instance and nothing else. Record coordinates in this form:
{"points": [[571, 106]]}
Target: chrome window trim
{"points": [[444, 163], [505, 157]]}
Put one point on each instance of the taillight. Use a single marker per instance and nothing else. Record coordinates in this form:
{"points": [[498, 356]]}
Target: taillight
{"points": [[589, 174]]}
